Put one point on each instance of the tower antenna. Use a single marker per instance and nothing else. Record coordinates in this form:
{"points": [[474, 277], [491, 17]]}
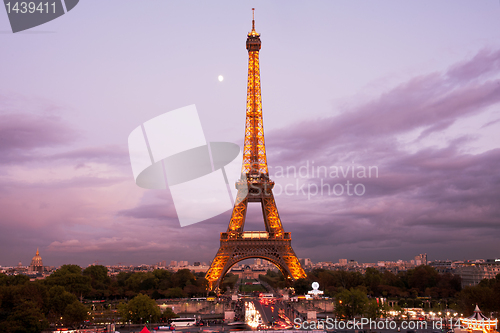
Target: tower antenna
{"points": [[253, 19]]}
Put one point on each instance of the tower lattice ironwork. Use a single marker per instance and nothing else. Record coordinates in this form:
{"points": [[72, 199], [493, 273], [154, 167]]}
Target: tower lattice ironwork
{"points": [[274, 244]]}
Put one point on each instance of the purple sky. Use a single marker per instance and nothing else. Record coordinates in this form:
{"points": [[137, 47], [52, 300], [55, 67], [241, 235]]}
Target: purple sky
{"points": [[410, 88]]}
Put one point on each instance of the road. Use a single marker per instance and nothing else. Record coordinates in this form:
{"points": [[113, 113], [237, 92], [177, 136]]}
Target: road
{"points": [[271, 313], [267, 311]]}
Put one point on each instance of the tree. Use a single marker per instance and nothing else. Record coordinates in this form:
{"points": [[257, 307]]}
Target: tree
{"points": [[351, 303], [59, 300], [70, 277], [372, 280], [422, 277], [133, 281], [229, 281], [301, 286], [74, 313], [183, 277], [140, 309], [192, 290], [26, 317], [175, 293], [373, 310], [448, 285], [99, 280], [275, 279], [97, 273], [481, 295], [163, 277], [348, 280], [13, 280], [272, 274], [168, 314], [22, 306]]}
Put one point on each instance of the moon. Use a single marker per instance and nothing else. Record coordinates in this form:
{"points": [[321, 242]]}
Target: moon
{"points": [[221, 78]]}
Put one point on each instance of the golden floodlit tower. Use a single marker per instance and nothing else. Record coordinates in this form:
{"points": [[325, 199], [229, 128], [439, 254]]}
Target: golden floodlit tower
{"points": [[274, 244]]}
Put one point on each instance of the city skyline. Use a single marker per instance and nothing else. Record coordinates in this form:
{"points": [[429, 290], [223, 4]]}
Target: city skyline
{"points": [[411, 90], [195, 262], [254, 261]]}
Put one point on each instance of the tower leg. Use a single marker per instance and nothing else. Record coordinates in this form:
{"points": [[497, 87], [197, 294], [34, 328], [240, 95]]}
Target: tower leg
{"points": [[277, 251]]}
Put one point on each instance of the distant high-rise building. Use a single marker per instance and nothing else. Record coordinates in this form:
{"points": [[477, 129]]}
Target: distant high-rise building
{"points": [[305, 262], [173, 263], [343, 261], [421, 259], [196, 263]]}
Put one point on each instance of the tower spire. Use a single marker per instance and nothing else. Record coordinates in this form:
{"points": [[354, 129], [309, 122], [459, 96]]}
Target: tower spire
{"points": [[253, 19]]}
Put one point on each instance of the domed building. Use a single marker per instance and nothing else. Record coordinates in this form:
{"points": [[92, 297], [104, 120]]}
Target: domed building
{"points": [[36, 263]]}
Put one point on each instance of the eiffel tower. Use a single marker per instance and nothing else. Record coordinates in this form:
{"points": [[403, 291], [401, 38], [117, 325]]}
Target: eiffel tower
{"points": [[274, 244]]}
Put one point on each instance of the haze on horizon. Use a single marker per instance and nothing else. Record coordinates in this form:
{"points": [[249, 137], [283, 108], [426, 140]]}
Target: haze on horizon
{"points": [[412, 88]]}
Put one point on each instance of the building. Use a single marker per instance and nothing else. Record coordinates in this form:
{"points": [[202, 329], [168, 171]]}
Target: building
{"points": [[473, 271], [246, 272], [442, 266], [36, 265], [305, 262], [421, 259]]}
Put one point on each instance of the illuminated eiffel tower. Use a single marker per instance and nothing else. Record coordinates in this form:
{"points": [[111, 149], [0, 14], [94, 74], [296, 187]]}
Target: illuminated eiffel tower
{"points": [[254, 185]]}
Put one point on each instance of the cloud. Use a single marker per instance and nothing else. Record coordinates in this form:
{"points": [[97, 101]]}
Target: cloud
{"points": [[491, 123], [105, 244], [483, 64], [431, 102], [107, 154], [20, 134], [435, 196], [165, 211]]}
